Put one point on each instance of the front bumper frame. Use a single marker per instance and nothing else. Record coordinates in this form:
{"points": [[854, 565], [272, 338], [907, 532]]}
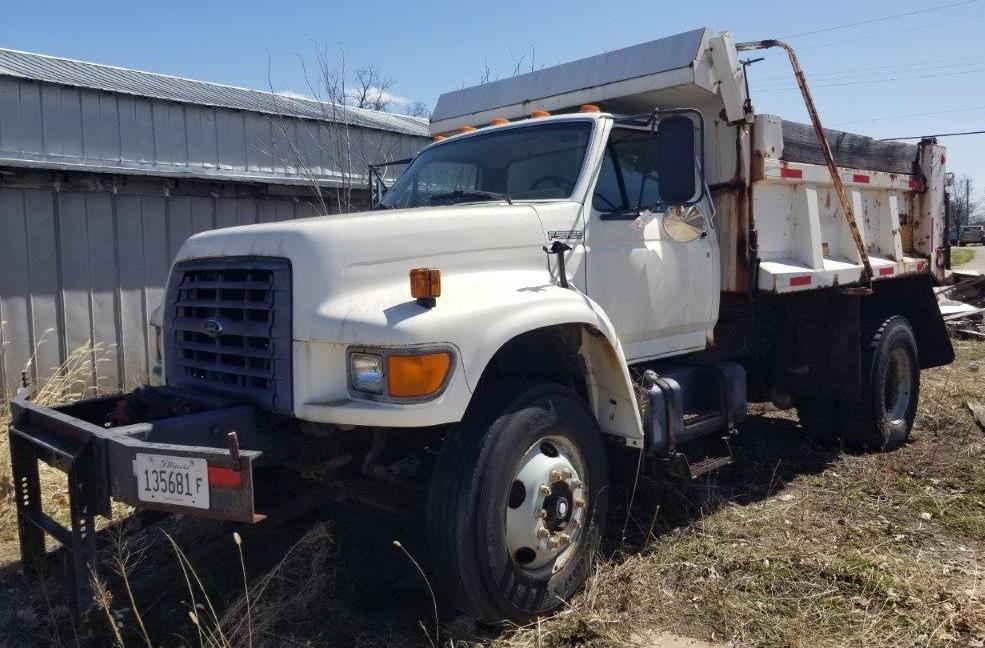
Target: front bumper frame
{"points": [[98, 462]]}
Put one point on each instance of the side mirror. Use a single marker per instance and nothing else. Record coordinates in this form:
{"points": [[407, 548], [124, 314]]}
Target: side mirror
{"points": [[676, 161], [374, 178]]}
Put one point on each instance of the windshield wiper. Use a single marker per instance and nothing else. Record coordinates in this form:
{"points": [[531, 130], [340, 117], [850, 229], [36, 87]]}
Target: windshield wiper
{"points": [[468, 194]]}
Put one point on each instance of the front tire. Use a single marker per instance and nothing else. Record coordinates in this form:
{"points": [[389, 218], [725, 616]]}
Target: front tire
{"points": [[517, 502]]}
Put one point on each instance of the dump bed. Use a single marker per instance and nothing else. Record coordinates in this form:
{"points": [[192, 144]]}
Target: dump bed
{"points": [[801, 236], [778, 219]]}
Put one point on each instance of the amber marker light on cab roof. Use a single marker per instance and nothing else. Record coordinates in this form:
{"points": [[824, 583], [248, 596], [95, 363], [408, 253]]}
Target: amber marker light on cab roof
{"points": [[465, 129], [425, 286], [589, 108], [416, 376], [498, 121], [540, 113], [438, 138]]}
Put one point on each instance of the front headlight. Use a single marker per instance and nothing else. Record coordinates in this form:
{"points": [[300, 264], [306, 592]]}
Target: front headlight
{"points": [[366, 372], [399, 375]]}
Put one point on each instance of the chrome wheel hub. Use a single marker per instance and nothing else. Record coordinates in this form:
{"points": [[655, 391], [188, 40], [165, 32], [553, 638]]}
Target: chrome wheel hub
{"points": [[546, 508]]}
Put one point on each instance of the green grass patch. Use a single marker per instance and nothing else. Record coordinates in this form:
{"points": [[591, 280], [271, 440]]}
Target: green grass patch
{"points": [[961, 256]]}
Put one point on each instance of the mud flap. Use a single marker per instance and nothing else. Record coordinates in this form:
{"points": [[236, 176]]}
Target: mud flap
{"points": [[817, 354], [913, 298]]}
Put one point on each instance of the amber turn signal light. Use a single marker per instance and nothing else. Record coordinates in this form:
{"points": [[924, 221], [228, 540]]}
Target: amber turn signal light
{"points": [[425, 285], [498, 121], [537, 114], [589, 108], [416, 376]]}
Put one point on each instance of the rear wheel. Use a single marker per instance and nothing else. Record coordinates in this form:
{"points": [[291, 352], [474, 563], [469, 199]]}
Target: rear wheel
{"points": [[883, 418], [517, 503]]}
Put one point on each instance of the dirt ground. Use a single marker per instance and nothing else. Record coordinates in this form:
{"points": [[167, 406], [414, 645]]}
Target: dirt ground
{"points": [[794, 545]]}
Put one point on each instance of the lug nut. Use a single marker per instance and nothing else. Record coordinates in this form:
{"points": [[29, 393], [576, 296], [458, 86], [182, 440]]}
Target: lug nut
{"points": [[543, 533], [579, 503], [576, 484], [542, 513], [565, 539], [567, 474], [544, 490], [552, 543], [555, 475]]}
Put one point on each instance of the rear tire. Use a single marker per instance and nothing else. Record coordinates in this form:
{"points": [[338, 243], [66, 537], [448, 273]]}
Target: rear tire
{"points": [[494, 531], [883, 418]]}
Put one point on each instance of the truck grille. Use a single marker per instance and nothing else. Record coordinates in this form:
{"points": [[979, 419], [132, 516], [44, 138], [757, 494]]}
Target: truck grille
{"points": [[228, 329]]}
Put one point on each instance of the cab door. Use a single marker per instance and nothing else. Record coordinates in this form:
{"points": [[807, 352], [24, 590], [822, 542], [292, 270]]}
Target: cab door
{"points": [[661, 294]]}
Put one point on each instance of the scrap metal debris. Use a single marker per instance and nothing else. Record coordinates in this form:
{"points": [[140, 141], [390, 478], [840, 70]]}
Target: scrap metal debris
{"points": [[962, 306]]}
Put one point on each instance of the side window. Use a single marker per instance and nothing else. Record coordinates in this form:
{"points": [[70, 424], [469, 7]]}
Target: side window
{"points": [[608, 192], [628, 167]]}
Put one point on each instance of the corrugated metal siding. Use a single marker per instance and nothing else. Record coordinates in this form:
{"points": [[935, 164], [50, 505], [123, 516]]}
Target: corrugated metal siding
{"points": [[45, 125], [84, 260], [81, 74]]}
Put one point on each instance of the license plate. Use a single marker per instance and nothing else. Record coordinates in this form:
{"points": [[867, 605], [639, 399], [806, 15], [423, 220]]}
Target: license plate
{"points": [[164, 479]]}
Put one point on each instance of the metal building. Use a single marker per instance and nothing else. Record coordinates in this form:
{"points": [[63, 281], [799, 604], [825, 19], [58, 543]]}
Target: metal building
{"points": [[105, 171]]}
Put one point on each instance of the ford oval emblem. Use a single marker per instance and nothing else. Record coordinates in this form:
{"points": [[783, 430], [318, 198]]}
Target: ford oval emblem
{"points": [[213, 328]]}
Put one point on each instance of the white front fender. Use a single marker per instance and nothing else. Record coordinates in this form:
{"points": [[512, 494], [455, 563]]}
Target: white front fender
{"points": [[476, 315]]}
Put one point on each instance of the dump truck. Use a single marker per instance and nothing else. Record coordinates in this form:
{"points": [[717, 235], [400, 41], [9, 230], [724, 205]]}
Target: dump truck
{"points": [[609, 258]]}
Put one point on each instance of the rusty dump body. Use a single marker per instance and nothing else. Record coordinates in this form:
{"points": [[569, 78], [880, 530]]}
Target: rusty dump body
{"points": [[780, 221], [819, 208]]}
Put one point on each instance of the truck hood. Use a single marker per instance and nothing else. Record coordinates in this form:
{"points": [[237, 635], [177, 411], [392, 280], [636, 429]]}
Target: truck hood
{"points": [[341, 262]]}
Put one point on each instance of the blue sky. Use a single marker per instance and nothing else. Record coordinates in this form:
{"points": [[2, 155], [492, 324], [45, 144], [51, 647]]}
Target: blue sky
{"points": [[868, 78]]}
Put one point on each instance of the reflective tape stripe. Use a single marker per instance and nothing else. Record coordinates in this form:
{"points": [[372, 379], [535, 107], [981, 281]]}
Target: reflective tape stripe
{"points": [[225, 477]]}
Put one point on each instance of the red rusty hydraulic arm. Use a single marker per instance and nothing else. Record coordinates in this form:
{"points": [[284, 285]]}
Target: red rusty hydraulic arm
{"points": [[846, 207]]}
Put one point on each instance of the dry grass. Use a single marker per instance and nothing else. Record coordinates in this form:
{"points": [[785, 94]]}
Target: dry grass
{"points": [[74, 379], [284, 595]]}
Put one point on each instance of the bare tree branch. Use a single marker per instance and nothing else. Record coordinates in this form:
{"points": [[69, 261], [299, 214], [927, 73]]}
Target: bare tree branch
{"points": [[331, 152]]}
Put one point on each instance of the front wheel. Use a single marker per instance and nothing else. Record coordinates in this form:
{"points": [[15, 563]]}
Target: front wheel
{"points": [[517, 503]]}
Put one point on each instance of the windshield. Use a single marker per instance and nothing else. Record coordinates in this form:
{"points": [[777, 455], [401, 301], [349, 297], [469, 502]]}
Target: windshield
{"points": [[526, 163]]}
